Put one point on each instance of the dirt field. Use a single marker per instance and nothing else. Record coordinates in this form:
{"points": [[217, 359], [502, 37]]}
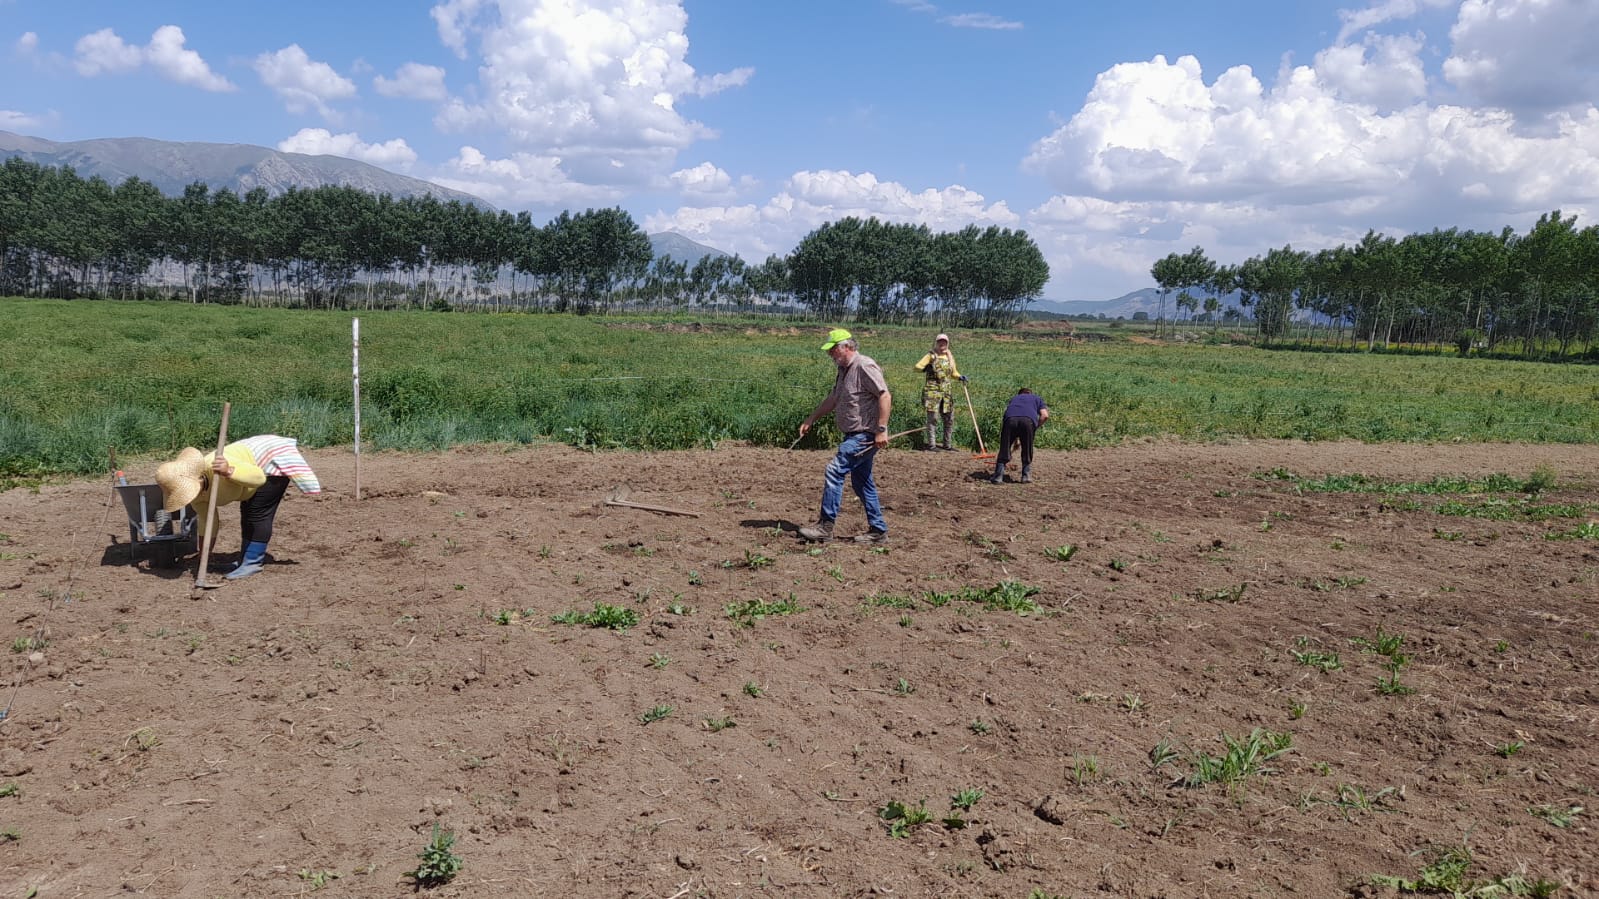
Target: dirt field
{"points": [[397, 665]]}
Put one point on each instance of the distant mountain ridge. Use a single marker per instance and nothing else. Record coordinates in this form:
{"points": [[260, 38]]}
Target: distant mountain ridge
{"points": [[1145, 300], [172, 166], [680, 248]]}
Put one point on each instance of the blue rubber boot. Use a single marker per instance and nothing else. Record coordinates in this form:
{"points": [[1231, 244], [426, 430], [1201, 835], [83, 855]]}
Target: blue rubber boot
{"points": [[254, 559]]}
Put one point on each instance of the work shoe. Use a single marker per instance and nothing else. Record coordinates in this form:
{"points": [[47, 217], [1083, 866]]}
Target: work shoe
{"points": [[872, 536], [820, 532], [929, 448], [947, 448]]}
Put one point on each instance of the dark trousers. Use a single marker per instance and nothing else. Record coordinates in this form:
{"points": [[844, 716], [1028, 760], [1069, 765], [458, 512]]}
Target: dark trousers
{"points": [[1017, 427], [257, 513]]}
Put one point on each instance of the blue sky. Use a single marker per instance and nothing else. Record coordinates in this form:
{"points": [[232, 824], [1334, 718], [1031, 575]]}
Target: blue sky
{"points": [[1112, 133]]}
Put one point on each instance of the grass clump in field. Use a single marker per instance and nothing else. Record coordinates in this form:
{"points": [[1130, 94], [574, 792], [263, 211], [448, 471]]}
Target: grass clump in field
{"points": [[1005, 596], [749, 611], [616, 618], [1245, 757], [1445, 875]]}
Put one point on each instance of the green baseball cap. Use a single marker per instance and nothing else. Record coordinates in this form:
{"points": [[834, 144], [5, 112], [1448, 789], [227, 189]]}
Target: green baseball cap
{"points": [[836, 337]]}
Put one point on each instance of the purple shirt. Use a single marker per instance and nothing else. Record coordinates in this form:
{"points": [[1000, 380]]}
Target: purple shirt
{"points": [[1025, 405]]}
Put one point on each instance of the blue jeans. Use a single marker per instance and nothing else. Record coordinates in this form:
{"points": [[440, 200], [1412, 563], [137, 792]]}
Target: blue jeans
{"points": [[854, 458]]}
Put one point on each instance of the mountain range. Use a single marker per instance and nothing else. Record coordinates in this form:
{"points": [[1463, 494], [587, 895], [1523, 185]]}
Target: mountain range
{"points": [[172, 166]]}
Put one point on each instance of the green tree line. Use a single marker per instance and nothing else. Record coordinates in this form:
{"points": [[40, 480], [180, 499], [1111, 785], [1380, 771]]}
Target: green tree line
{"points": [[1536, 294], [64, 236]]}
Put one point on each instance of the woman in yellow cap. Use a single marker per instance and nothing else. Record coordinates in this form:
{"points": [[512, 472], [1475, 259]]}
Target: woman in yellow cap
{"points": [[938, 392], [254, 472]]}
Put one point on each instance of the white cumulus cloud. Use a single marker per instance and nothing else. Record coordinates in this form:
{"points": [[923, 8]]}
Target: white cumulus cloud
{"points": [[27, 43], [321, 142], [104, 52], [413, 81], [301, 82], [704, 181], [1527, 56], [15, 120], [1358, 20], [520, 181], [1158, 160], [810, 199], [595, 83]]}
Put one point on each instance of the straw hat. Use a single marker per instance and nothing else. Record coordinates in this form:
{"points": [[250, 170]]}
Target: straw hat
{"points": [[181, 479]]}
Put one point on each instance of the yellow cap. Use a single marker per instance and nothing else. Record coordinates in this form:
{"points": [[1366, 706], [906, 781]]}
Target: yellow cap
{"points": [[836, 337]]}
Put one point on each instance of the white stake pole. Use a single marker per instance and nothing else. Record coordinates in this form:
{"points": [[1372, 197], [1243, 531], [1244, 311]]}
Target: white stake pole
{"points": [[355, 333]]}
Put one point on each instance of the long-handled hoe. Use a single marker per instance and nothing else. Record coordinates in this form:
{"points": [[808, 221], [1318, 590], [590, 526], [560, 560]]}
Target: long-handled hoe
{"points": [[982, 451], [211, 509]]}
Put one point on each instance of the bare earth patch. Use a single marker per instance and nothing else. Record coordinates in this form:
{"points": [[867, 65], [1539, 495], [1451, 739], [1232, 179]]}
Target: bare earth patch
{"points": [[396, 666]]}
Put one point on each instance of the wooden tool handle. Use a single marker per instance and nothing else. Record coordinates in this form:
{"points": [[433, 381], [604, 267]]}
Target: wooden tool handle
{"points": [[211, 502]]}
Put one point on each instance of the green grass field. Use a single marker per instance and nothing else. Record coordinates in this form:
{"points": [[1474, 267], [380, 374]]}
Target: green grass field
{"points": [[149, 378]]}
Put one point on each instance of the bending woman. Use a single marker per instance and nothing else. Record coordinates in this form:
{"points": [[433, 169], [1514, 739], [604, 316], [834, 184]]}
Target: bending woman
{"points": [[255, 473]]}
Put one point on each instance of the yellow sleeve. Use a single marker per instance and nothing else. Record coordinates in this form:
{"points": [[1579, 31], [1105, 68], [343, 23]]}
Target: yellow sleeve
{"points": [[245, 472], [926, 361]]}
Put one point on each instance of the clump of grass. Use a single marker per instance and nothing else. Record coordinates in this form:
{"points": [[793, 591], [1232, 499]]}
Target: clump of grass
{"points": [[657, 713], [1006, 596], [1245, 757], [1222, 594], [717, 725], [1559, 816], [749, 611], [616, 618], [1314, 658], [1446, 876]]}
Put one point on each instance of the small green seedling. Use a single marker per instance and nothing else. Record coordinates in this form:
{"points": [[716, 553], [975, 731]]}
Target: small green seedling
{"points": [[965, 799], [753, 690], [655, 714], [901, 817], [979, 727], [316, 880], [1062, 553], [1558, 816], [717, 725], [1506, 750], [659, 661], [439, 865]]}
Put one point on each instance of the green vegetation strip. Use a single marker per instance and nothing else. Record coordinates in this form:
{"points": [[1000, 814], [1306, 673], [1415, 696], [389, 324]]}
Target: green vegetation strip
{"points": [[150, 378]]}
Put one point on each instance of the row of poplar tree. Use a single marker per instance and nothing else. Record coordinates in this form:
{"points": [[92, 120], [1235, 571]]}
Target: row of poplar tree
{"points": [[65, 236], [1536, 293]]}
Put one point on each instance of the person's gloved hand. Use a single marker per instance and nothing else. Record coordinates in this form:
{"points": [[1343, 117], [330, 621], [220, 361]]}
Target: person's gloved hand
{"points": [[964, 379]]}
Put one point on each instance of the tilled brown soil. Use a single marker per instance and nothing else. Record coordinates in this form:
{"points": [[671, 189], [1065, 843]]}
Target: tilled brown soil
{"points": [[396, 666]]}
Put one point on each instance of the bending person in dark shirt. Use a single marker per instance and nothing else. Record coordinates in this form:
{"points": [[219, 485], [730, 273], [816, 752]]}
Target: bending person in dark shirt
{"points": [[1025, 412]]}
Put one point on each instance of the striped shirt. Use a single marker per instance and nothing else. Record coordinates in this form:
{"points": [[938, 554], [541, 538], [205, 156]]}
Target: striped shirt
{"points": [[280, 457]]}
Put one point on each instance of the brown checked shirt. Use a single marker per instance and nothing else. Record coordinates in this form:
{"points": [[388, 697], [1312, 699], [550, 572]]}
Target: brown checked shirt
{"points": [[855, 394]]}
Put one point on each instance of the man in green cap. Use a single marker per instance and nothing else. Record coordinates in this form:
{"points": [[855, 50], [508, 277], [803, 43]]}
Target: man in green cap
{"points": [[860, 404]]}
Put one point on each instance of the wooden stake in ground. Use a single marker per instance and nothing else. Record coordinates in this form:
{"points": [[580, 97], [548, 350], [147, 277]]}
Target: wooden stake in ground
{"points": [[355, 373], [211, 508]]}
